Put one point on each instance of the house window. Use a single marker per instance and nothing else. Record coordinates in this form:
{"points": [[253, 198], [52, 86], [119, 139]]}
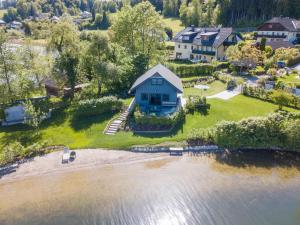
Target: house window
{"points": [[157, 81], [166, 98], [185, 47], [144, 97], [178, 46]]}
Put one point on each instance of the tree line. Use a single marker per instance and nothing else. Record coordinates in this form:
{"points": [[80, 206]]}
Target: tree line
{"points": [[110, 63], [191, 12]]}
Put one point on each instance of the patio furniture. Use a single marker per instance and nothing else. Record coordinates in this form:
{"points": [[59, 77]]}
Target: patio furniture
{"points": [[66, 155]]}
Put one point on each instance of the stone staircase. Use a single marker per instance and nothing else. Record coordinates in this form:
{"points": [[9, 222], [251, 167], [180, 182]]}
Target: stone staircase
{"points": [[114, 125]]}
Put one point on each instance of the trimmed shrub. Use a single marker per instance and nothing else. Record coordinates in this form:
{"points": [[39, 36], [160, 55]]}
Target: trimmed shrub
{"points": [[152, 122], [275, 96], [98, 106], [260, 132], [196, 103], [188, 70]]}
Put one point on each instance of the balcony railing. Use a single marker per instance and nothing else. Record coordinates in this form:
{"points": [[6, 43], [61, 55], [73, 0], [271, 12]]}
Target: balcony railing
{"points": [[195, 51]]}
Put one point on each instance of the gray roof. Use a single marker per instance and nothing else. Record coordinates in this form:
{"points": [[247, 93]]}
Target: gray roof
{"points": [[280, 44], [164, 72], [289, 24], [221, 34]]}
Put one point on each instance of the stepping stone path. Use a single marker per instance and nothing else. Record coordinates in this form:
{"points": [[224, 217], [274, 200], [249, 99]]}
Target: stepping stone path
{"points": [[115, 125]]}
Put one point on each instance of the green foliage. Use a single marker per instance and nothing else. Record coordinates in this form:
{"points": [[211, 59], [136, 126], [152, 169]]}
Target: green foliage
{"points": [[139, 30], [98, 106], [33, 115], [201, 136], [150, 122], [281, 98], [261, 132], [189, 70], [16, 151], [277, 96], [292, 134], [197, 103], [231, 84]]}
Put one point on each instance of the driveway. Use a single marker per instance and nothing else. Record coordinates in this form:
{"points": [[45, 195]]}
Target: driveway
{"points": [[297, 67]]}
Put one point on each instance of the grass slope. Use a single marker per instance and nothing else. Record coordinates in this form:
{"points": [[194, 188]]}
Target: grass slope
{"points": [[88, 132], [174, 23]]}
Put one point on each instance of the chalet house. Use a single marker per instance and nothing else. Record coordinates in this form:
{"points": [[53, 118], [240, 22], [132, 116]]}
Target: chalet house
{"points": [[283, 29], [158, 91], [204, 44]]}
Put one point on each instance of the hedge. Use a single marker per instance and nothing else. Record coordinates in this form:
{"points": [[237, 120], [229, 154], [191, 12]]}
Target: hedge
{"points": [[188, 70], [98, 106], [263, 94], [279, 130], [143, 121]]}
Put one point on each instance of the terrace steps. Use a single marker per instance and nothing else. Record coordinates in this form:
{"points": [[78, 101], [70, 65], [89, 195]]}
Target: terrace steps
{"points": [[114, 125]]}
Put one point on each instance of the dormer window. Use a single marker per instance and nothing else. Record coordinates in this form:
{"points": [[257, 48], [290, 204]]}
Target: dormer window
{"points": [[157, 81], [185, 38], [270, 25]]}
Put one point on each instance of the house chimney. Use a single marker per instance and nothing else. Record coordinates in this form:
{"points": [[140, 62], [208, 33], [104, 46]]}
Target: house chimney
{"points": [[193, 27]]}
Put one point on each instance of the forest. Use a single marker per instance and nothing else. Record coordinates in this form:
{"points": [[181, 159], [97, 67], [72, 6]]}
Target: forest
{"points": [[238, 13]]}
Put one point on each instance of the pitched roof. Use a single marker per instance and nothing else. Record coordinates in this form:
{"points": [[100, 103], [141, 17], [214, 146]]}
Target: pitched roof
{"points": [[289, 24], [219, 35], [280, 44], [164, 72]]}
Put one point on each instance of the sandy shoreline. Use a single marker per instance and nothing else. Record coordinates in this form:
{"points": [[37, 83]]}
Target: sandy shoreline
{"points": [[85, 158]]}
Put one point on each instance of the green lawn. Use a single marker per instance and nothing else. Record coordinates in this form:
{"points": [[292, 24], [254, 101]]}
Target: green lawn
{"points": [[215, 87], [88, 132], [291, 79], [174, 23]]}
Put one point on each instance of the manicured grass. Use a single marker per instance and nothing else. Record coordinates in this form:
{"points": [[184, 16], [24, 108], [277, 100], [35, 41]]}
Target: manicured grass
{"points": [[214, 88], [174, 23], [291, 79], [88, 132]]}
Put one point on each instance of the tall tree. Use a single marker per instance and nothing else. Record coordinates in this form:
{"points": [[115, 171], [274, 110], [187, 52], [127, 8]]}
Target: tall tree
{"points": [[7, 65], [139, 29]]}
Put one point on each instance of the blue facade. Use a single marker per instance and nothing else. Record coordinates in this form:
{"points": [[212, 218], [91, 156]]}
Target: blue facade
{"points": [[156, 92]]}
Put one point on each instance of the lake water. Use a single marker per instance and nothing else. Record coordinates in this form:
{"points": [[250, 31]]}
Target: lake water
{"points": [[235, 189]]}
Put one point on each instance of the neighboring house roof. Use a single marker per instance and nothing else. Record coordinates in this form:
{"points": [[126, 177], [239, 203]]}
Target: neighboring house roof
{"points": [[280, 44], [2, 22], [289, 24], [164, 72], [218, 35]]}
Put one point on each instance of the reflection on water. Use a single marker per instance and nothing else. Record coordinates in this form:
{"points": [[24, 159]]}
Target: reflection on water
{"points": [[232, 188]]}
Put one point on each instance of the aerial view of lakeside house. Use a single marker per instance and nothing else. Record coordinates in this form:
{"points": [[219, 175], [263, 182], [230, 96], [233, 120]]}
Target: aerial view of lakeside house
{"points": [[158, 112]]}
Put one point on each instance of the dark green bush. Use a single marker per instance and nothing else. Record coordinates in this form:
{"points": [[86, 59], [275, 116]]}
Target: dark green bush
{"points": [[288, 99], [260, 132], [141, 119], [188, 70], [197, 103], [98, 106]]}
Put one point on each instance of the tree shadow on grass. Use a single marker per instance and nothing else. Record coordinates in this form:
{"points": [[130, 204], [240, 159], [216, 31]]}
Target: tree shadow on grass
{"points": [[58, 117], [20, 133], [81, 123], [260, 158]]}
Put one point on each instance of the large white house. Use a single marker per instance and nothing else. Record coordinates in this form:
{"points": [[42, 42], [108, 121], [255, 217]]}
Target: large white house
{"points": [[283, 29], [204, 44]]}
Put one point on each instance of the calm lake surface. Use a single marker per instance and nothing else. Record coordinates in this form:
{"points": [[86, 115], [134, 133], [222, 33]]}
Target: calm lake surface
{"points": [[234, 189]]}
